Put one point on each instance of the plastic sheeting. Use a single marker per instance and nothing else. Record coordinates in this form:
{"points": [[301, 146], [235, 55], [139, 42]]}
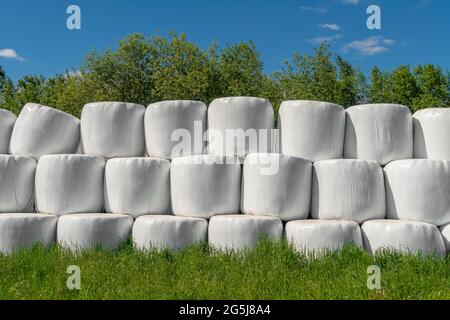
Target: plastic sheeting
{"points": [[403, 236], [203, 186], [380, 132], [317, 236], [445, 230], [276, 185], [432, 134], [175, 128], [7, 120], [234, 125], [41, 130], [238, 232], [312, 130], [88, 230], [171, 232], [113, 129], [69, 184], [17, 183], [21, 230], [418, 190], [137, 186], [351, 190]]}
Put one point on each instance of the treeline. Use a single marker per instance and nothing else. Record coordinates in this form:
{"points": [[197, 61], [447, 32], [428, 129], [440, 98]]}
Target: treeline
{"points": [[148, 69]]}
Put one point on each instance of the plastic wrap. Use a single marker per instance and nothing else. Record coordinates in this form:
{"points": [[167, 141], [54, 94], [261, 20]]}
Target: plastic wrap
{"points": [[137, 186], [175, 128], [418, 190], [203, 186], [445, 230], [234, 125], [69, 184], [17, 184], [351, 190], [312, 130], [404, 236], [317, 236], [22, 230], [41, 130], [238, 232], [113, 129], [380, 132], [276, 185], [432, 134], [170, 232], [7, 120], [88, 230]]}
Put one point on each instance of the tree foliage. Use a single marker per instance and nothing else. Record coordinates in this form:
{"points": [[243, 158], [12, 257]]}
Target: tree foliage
{"points": [[148, 69]]}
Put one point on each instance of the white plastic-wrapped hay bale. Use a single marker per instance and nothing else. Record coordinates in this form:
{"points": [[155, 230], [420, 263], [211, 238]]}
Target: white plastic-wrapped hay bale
{"points": [[276, 185], [22, 230], [239, 126], [404, 236], [238, 232], [318, 236], [41, 130], [418, 190], [206, 185], [69, 184], [175, 128], [168, 232], [7, 120], [113, 129], [311, 129], [17, 184], [137, 186], [351, 190], [88, 230], [445, 230], [432, 134], [380, 132]]}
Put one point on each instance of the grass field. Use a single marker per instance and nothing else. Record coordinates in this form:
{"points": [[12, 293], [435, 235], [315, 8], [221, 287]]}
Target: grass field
{"points": [[272, 271]]}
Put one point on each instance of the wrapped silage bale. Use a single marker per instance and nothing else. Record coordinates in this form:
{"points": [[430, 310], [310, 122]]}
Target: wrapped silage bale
{"points": [[418, 190], [7, 120], [89, 230], [22, 230], [239, 232], [432, 134], [351, 190], [175, 128], [445, 230], [380, 132], [113, 129], [276, 185], [41, 130], [17, 184], [137, 186], [319, 236], [238, 126], [168, 232], [206, 185], [404, 236], [69, 184], [311, 129]]}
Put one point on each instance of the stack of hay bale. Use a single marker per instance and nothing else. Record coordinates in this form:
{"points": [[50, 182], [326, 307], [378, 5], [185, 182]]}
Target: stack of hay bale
{"points": [[176, 173]]}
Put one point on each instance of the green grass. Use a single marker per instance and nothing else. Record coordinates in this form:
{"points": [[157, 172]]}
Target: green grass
{"points": [[272, 271]]}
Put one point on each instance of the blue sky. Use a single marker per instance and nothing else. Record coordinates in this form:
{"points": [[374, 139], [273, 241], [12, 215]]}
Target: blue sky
{"points": [[34, 38]]}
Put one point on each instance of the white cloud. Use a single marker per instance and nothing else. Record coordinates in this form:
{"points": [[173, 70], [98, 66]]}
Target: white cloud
{"points": [[353, 2], [319, 40], [370, 46], [315, 9], [330, 26], [10, 54]]}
